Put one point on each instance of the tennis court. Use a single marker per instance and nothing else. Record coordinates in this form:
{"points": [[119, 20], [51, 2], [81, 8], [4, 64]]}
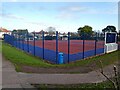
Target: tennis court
{"points": [[76, 46]]}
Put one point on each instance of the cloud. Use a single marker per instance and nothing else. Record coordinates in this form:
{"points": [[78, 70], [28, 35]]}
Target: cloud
{"points": [[74, 12], [65, 15], [36, 23], [73, 8], [82, 9], [11, 16], [70, 12], [77, 8]]}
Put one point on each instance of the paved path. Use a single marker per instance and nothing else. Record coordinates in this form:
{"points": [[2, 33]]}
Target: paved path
{"points": [[91, 77], [10, 78], [13, 79]]}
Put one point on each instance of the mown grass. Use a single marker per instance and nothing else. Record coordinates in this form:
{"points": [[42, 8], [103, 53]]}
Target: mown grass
{"points": [[105, 85], [18, 57], [93, 86], [82, 86]]}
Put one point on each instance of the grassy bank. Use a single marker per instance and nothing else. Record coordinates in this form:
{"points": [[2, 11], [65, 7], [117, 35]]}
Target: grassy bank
{"points": [[19, 57]]}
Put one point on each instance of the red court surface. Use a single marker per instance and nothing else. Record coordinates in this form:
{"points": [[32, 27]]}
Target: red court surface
{"points": [[75, 45]]}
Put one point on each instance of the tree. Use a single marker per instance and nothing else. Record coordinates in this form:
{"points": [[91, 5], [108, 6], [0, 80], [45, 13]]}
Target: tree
{"points": [[114, 81], [86, 30], [22, 33], [74, 34], [109, 28], [51, 30], [14, 31]]}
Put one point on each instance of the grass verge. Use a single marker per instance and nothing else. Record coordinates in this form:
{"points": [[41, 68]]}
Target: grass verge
{"points": [[82, 86], [93, 86]]}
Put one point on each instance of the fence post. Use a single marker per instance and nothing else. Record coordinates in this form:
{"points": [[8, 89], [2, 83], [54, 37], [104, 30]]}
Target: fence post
{"points": [[27, 41], [68, 47], [13, 40], [22, 42], [4, 38], [43, 43], [56, 47], [18, 41], [104, 42], [95, 42], [83, 43], [34, 43]]}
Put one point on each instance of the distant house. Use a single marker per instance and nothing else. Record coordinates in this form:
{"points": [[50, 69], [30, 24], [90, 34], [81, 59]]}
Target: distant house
{"points": [[4, 31], [49, 36], [39, 34]]}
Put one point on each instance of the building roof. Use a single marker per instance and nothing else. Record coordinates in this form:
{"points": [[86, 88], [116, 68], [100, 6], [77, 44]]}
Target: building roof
{"points": [[3, 30]]}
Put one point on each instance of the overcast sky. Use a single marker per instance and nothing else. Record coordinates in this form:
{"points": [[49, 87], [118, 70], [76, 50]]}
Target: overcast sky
{"points": [[64, 16]]}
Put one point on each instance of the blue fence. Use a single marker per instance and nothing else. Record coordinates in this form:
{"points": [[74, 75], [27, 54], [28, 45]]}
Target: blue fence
{"points": [[52, 55]]}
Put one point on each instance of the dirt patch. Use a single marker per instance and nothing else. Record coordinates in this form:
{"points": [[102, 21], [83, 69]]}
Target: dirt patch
{"points": [[75, 69], [79, 69]]}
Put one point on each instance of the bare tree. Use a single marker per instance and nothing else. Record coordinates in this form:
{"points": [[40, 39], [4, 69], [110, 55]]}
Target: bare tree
{"points": [[114, 82], [51, 31]]}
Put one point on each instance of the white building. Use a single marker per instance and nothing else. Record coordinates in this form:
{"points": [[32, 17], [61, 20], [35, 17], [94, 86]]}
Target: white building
{"points": [[4, 31]]}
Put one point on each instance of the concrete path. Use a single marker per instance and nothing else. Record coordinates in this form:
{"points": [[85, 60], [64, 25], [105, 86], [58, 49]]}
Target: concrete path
{"points": [[10, 78], [13, 79], [91, 77]]}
